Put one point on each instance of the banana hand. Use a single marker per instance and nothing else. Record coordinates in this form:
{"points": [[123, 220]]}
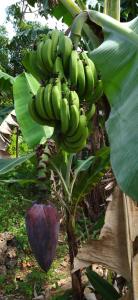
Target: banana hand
{"points": [[74, 119], [33, 113], [47, 55], [74, 99]]}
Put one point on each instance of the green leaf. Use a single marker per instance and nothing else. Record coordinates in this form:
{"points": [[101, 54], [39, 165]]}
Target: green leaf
{"points": [[105, 289], [25, 86], [61, 156], [6, 81], [6, 165], [117, 61], [83, 165], [4, 112], [59, 11], [90, 177], [19, 181], [99, 223]]}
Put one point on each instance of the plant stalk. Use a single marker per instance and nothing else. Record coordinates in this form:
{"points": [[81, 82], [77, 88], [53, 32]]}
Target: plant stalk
{"points": [[81, 4], [71, 7], [112, 8], [100, 20], [69, 170], [74, 10], [61, 178], [107, 22], [71, 238], [73, 250], [17, 142]]}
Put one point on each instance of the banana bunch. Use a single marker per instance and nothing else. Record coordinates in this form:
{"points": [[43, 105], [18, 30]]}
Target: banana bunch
{"points": [[55, 56], [57, 106], [45, 107], [77, 133], [69, 88]]}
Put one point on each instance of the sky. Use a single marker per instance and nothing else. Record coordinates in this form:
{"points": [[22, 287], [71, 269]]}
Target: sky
{"points": [[3, 6], [52, 22]]}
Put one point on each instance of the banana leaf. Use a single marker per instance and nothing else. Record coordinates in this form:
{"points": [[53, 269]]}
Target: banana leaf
{"points": [[102, 286], [59, 11], [117, 60], [6, 165], [25, 86], [6, 81], [87, 179]]}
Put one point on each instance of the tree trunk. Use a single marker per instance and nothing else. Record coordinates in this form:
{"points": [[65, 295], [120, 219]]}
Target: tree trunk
{"points": [[73, 250]]}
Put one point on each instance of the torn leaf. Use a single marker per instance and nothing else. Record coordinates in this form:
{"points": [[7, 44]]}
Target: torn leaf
{"points": [[117, 246]]}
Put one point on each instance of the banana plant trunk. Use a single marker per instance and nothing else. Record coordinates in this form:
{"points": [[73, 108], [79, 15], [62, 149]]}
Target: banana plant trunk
{"points": [[112, 8], [73, 250]]}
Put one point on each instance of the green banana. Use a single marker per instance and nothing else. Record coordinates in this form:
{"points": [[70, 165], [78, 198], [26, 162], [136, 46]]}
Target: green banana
{"points": [[84, 57], [64, 115], [81, 78], [87, 61], [55, 38], [57, 82], [39, 58], [58, 67], [89, 82], [66, 50], [32, 66], [60, 43], [56, 100], [78, 145], [74, 119], [47, 55], [74, 99], [77, 141], [91, 112], [79, 131], [40, 103], [65, 90], [33, 113], [73, 67], [98, 91], [48, 101], [92, 65]]}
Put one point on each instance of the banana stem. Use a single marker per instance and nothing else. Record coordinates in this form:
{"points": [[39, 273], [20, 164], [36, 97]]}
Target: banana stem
{"points": [[68, 173], [61, 178], [112, 8], [71, 7], [81, 4], [107, 22], [74, 11], [77, 26], [73, 250]]}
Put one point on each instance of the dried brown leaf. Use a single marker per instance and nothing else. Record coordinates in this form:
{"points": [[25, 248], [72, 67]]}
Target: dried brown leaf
{"points": [[128, 296], [117, 246]]}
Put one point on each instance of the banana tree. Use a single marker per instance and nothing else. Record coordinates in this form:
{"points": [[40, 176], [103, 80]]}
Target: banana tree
{"points": [[118, 69]]}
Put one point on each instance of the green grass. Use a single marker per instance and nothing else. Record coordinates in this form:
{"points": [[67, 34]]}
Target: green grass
{"points": [[12, 211]]}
